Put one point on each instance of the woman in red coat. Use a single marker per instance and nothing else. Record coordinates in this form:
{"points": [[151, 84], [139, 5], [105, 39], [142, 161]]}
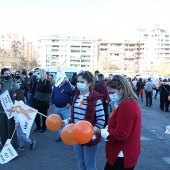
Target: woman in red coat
{"points": [[124, 127]]}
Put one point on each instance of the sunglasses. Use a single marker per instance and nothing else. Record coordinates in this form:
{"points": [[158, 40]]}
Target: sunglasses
{"points": [[85, 73]]}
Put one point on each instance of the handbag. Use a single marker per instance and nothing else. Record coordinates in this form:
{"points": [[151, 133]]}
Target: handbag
{"points": [[167, 92], [141, 91]]}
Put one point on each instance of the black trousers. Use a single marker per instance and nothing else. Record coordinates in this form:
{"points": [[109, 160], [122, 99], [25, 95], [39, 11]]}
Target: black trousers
{"points": [[148, 95], [118, 165], [7, 127], [42, 107], [105, 107]]}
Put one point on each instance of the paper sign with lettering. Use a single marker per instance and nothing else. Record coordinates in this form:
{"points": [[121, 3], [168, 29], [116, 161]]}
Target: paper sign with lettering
{"points": [[7, 104], [8, 152], [167, 129], [25, 116], [60, 76]]}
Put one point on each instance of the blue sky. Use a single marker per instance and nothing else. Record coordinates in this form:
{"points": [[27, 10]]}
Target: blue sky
{"points": [[101, 18]]}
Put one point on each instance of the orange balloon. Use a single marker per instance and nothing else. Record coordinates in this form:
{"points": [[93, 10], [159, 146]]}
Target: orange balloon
{"points": [[169, 98], [66, 134], [83, 132], [53, 122]]}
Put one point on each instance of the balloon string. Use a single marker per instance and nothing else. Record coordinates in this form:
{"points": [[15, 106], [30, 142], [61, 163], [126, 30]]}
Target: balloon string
{"points": [[13, 133], [42, 114]]}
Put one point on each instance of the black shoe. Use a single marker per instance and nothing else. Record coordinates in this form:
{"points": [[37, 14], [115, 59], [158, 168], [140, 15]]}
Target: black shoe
{"points": [[36, 130], [42, 131], [32, 145], [58, 140]]}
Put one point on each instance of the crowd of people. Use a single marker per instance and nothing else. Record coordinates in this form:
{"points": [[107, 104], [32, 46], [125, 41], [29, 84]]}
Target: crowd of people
{"points": [[85, 97]]}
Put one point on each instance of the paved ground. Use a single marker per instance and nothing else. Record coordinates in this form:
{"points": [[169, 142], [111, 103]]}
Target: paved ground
{"points": [[49, 155]]}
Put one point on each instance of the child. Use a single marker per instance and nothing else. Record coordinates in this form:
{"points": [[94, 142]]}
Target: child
{"points": [[21, 136]]}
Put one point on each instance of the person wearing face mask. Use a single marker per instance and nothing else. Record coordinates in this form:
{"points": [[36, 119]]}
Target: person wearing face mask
{"points": [[62, 98], [87, 105], [41, 101], [7, 126], [32, 85], [124, 127], [21, 83]]}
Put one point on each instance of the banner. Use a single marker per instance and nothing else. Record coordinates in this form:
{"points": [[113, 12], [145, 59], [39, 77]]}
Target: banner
{"points": [[7, 104], [8, 152], [25, 116], [60, 76]]}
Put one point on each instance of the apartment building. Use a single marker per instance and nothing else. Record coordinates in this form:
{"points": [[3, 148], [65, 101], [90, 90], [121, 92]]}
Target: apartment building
{"points": [[124, 55], [20, 52], [81, 52], [156, 46]]}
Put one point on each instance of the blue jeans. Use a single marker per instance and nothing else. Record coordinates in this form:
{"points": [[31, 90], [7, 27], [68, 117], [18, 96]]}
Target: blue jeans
{"points": [[22, 137], [86, 156], [64, 113]]}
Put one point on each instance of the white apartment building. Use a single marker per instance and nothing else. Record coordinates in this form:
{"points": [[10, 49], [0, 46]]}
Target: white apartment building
{"points": [[81, 52], [156, 46], [122, 54]]}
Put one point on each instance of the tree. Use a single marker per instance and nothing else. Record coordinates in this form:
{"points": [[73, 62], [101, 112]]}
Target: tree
{"points": [[105, 65]]}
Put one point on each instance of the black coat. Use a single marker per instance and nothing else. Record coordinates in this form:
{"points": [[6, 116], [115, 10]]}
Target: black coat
{"points": [[164, 92]]}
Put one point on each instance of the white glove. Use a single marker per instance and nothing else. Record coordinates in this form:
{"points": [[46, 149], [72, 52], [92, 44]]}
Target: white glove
{"points": [[104, 134], [64, 122], [94, 137]]}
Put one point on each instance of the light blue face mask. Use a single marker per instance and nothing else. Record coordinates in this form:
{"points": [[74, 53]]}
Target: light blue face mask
{"points": [[114, 97], [38, 76], [82, 86]]}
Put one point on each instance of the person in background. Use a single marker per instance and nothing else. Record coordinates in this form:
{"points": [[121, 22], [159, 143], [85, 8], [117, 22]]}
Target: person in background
{"points": [[158, 87], [33, 83], [29, 95], [62, 98], [21, 136], [7, 126], [164, 93], [87, 105], [96, 73], [124, 127], [110, 76], [148, 92], [21, 83], [41, 101], [140, 87], [73, 80], [50, 79], [106, 99]]}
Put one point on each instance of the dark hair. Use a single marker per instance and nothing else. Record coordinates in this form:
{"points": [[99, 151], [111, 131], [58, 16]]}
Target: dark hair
{"points": [[74, 75], [4, 69], [30, 74], [19, 95], [165, 80], [101, 76], [88, 76], [96, 71], [24, 72]]}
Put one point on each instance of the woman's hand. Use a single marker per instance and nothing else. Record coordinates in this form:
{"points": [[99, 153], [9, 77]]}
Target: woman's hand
{"points": [[97, 132]]}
